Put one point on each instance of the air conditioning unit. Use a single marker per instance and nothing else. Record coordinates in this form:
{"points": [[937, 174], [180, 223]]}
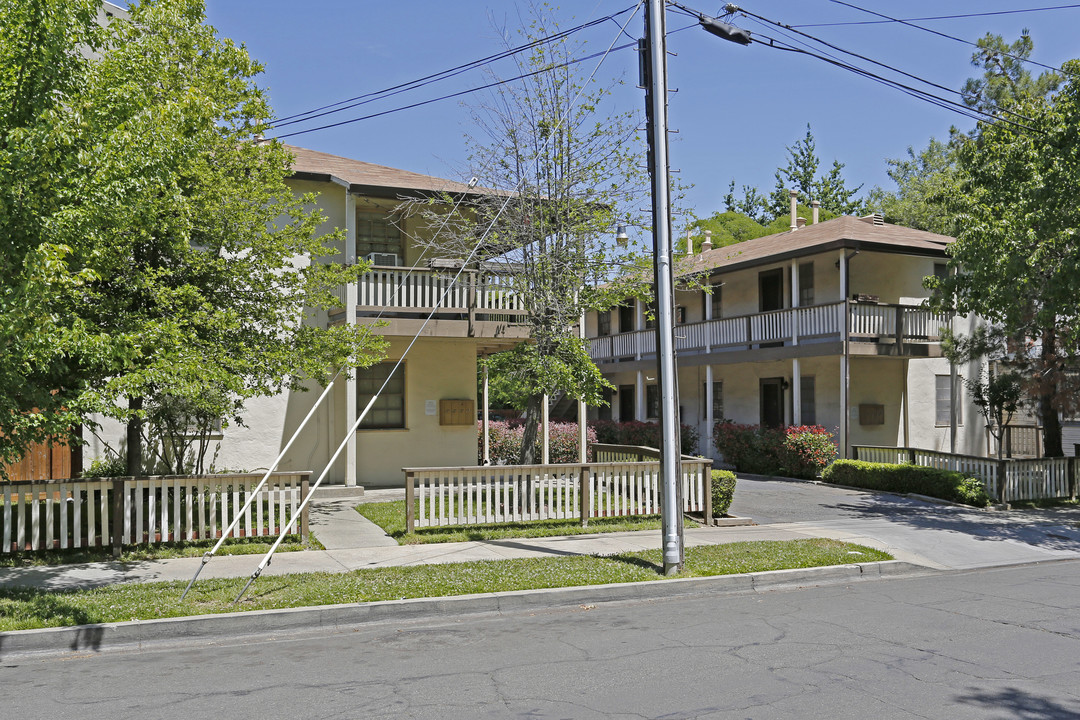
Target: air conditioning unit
{"points": [[382, 259]]}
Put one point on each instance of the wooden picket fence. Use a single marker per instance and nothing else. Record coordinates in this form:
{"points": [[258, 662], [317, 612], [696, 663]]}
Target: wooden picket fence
{"points": [[1007, 480], [496, 494], [112, 512]]}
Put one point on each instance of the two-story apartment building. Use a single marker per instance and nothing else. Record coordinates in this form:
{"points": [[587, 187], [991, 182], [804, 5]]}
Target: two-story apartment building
{"points": [[427, 413], [824, 324]]}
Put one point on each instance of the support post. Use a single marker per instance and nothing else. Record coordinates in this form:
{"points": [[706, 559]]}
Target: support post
{"points": [[582, 410], [545, 436], [656, 118], [487, 419], [118, 515], [706, 481], [710, 421], [584, 496], [845, 412], [351, 301], [410, 502], [305, 530]]}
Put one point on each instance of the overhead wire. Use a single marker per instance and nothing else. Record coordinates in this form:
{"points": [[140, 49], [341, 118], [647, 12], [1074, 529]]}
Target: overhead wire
{"points": [[938, 17], [941, 34], [365, 98]]}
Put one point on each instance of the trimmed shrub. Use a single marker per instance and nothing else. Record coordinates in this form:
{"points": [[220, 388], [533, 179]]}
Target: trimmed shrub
{"points": [[505, 438], [633, 432], [800, 451], [723, 491], [944, 484]]}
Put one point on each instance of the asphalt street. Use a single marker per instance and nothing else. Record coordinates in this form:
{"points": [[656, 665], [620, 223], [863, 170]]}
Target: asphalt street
{"points": [[998, 643]]}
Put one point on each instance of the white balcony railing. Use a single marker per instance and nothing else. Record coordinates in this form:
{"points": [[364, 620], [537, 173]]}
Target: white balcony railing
{"points": [[400, 288], [868, 322]]}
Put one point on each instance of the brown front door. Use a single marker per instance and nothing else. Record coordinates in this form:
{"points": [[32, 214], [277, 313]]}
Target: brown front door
{"points": [[772, 402]]}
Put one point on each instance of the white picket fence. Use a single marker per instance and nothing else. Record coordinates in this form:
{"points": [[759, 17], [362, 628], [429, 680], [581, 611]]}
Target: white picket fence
{"points": [[111, 512], [522, 493], [1007, 480]]}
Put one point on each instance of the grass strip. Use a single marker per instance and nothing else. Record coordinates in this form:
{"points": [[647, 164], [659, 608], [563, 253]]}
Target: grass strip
{"points": [[164, 551], [390, 516], [24, 608]]}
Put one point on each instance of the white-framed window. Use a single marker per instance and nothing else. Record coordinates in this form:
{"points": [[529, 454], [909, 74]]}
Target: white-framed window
{"points": [[806, 284], [603, 323], [388, 412], [717, 401], [377, 233], [943, 401]]}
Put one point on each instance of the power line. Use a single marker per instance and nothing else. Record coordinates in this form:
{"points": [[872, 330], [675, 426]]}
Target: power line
{"points": [[886, 66], [944, 35], [936, 17], [352, 102]]}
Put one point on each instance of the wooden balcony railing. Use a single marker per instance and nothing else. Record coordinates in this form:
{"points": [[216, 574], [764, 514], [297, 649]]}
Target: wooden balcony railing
{"points": [[402, 288], [867, 323]]}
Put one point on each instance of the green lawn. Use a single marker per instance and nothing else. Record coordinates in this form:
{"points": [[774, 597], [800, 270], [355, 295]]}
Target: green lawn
{"points": [[138, 553], [390, 516], [28, 608]]}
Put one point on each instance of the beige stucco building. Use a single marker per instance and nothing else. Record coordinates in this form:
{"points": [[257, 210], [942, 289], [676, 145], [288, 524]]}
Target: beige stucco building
{"points": [[427, 414], [824, 324]]}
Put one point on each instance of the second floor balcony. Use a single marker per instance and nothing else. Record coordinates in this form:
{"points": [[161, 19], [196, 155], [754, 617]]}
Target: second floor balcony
{"points": [[895, 329]]}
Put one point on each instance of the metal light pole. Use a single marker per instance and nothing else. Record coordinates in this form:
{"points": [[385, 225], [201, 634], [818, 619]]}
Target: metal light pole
{"points": [[671, 505]]}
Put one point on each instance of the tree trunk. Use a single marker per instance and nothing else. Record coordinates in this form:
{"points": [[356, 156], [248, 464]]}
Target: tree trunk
{"points": [[527, 454], [134, 437], [1048, 390]]}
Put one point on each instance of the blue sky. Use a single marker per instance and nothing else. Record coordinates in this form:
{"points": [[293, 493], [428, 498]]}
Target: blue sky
{"points": [[735, 110]]}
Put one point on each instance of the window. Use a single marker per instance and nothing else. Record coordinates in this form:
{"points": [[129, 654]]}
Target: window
{"points": [[626, 317], [942, 396], [603, 323], [376, 233], [604, 411], [941, 270], [806, 284], [715, 299], [717, 401], [808, 404], [652, 401], [389, 409]]}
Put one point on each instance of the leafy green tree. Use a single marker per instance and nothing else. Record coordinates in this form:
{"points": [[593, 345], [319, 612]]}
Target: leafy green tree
{"points": [[922, 180], [752, 204], [1017, 249], [1006, 79], [172, 259], [727, 228], [568, 172], [801, 174]]}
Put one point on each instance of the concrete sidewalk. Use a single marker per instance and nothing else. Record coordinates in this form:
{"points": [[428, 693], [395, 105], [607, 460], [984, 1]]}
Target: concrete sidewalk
{"points": [[940, 538]]}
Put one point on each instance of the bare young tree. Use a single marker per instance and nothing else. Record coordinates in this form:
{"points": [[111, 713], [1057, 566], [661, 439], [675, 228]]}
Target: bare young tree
{"points": [[563, 172]]}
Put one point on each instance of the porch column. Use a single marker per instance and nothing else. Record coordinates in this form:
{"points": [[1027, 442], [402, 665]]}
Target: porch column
{"points": [[545, 436], [706, 449], [351, 300], [639, 396], [906, 404], [486, 429], [845, 413], [796, 375]]}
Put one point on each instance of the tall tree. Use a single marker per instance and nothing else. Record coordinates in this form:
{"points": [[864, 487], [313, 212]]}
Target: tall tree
{"points": [[801, 174], [922, 180], [182, 266], [567, 169], [1006, 79], [1017, 249]]}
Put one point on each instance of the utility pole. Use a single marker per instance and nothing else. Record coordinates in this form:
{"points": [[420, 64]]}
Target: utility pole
{"points": [[655, 64]]}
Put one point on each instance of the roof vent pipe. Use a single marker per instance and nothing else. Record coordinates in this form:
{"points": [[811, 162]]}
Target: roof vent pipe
{"points": [[707, 245], [689, 243], [800, 222], [794, 208], [816, 205]]}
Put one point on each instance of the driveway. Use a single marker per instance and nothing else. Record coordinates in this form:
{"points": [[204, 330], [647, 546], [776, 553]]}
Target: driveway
{"points": [[941, 536]]}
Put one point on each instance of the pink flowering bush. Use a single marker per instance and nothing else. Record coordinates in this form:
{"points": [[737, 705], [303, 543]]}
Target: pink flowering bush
{"points": [[633, 432], [801, 451], [505, 439]]}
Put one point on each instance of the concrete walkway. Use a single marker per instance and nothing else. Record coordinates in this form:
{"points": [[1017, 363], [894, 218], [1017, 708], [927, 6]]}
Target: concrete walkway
{"points": [[935, 537]]}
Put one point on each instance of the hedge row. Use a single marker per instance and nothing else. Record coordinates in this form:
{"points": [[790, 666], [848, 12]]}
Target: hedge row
{"points": [[633, 432], [505, 440], [800, 451], [944, 484]]}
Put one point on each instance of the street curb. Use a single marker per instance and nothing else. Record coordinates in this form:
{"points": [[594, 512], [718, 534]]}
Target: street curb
{"points": [[262, 624]]}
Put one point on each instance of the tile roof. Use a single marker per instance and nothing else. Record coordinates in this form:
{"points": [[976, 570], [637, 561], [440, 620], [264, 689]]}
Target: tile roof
{"points": [[371, 177], [842, 232]]}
